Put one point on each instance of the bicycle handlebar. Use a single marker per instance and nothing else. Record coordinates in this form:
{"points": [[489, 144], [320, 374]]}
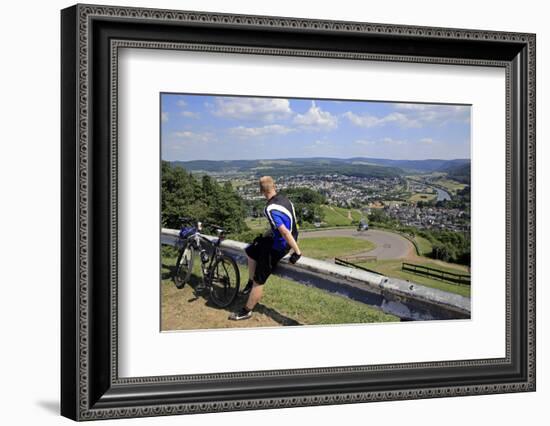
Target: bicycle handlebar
{"points": [[188, 220]]}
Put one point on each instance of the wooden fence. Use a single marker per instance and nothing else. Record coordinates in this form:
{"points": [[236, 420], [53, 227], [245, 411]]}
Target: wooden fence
{"points": [[437, 273], [343, 262]]}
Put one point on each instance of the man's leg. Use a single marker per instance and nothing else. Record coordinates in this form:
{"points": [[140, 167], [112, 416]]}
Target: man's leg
{"points": [[261, 268], [251, 268], [255, 296], [251, 271]]}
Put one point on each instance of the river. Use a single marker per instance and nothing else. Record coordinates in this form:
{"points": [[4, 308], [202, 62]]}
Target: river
{"points": [[442, 195]]}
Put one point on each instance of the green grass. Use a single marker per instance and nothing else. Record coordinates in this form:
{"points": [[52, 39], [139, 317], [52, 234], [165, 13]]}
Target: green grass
{"points": [[424, 245], [329, 247], [451, 185], [422, 197], [338, 216], [256, 223], [392, 268], [444, 266], [333, 217], [309, 305], [356, 215]]}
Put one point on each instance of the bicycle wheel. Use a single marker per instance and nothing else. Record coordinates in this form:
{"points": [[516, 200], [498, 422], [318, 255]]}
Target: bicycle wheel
{"points": [[184, 266], [224, 281]]}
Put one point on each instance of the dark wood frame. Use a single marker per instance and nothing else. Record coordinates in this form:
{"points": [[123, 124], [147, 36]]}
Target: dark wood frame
{"points": [[90, 386]]}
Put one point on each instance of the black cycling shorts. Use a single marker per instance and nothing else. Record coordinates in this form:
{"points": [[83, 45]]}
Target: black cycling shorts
{"points": [[261, 250]]}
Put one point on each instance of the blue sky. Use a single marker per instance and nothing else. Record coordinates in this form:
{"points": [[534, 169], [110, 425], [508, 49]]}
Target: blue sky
{"points": [[201, 127]]}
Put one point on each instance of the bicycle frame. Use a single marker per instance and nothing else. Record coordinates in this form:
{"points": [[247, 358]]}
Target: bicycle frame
{"points": [[196, 241]]}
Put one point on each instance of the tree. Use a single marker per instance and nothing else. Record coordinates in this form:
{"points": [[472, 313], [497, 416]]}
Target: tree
{"points": [[184, 196], [307, 204], [441, 251], [378, 216]]}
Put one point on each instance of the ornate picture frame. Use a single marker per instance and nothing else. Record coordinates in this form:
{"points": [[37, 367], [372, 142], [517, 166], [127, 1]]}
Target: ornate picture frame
{"points": [[91, 37]]}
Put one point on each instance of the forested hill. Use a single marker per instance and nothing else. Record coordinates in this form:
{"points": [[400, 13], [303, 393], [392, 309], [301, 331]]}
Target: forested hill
{"points": [[359, 166], [460, 173]]}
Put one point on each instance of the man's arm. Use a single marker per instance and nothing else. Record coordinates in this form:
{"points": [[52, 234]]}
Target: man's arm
{"points": [[287, 235]]}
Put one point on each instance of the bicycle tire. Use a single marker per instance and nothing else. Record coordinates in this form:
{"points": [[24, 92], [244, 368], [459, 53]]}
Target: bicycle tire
{"points": [[183, 271], [222, 292]]}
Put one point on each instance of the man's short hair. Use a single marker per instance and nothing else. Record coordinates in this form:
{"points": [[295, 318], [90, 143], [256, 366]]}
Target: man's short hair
{"points": [[267, 184]]}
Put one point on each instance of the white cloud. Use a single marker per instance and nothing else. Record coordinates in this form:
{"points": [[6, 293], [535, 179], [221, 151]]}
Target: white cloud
{"points": [[262, 109], [188, 136], [250, 132], [436, 114], [427, 141], [380, 142], [413, 115], [365, 142], [391, 141], [190, 114], [316, 119], [187, 114], [164, 117], [368, 120]]}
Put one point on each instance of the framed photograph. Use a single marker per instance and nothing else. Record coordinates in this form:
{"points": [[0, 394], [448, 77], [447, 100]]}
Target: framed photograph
{"points": [[263, 212]]}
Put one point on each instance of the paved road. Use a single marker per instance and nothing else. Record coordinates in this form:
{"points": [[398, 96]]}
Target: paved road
{"points": [[388, 244]]}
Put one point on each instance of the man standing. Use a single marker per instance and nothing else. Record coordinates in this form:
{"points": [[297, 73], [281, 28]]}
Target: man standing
{"points": [[266, 251]]}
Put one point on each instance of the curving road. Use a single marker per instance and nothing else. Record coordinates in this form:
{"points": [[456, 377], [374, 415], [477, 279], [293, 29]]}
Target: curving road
{"points": [[388, 244]]}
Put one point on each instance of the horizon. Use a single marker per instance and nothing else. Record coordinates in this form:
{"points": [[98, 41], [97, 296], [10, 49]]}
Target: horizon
{"points": [[197, 127], [318, 157]]}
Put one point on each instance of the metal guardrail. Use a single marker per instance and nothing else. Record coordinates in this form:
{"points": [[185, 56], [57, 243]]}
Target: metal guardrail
{"points": [[437, 273], [406, 300]]}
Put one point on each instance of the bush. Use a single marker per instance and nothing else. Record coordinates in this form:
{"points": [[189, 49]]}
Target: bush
{"points": [[441, 251]]}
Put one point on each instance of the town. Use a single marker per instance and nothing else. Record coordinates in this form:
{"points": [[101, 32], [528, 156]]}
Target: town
{"points": [[440, 218], [413, 201]]}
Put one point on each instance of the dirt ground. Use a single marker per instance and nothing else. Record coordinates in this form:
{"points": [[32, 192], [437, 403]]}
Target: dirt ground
{"points": [[182, 309]]}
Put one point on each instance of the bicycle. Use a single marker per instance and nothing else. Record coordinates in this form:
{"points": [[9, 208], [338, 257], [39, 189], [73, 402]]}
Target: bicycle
{"points": [[220, 274]]}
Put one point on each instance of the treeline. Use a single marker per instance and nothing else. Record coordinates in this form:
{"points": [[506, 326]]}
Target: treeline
{"points": [[294, 166], [201, 199], [449, 246], [357, 170]]}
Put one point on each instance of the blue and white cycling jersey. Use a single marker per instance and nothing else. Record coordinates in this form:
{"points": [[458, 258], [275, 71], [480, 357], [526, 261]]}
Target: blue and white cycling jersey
{"points": [[280, 211]]}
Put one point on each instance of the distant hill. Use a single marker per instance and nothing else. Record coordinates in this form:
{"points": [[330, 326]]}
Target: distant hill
{"points": [[460, 172], [358, 166], [422, 166]]}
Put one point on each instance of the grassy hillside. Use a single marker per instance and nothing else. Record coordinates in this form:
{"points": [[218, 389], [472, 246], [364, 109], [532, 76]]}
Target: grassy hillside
{"points": [[338, 216]]}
